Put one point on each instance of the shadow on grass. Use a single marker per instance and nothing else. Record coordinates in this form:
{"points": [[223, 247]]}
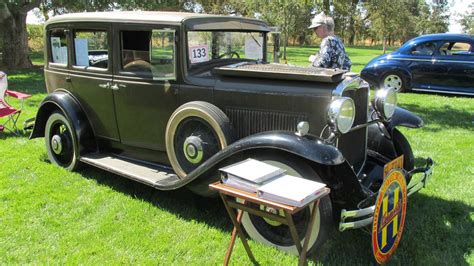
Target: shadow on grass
{"points": [[443, 117], [180, 202], [5, 134], [29, 81], [436, 230]]}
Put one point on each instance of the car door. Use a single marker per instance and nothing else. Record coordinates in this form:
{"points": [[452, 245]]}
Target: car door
{"points": [[91, 76], [145, 87], [455, 67], [420, 64]]}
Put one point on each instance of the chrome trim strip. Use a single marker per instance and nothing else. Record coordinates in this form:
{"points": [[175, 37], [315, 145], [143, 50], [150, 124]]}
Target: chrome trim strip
{"points": [[444, 91], [349, 83], [431, 60]]}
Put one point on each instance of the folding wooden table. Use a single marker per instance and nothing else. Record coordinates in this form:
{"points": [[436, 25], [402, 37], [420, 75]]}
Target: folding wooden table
{"points": [[229, 196]]}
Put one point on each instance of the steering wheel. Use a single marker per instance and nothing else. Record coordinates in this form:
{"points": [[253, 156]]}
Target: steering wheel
{"points": [[142, 66], [230, 53]]}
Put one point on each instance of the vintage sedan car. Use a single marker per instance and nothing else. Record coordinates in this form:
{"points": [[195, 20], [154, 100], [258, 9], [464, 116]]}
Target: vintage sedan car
{"points": [[437, 63], [166, 99]]}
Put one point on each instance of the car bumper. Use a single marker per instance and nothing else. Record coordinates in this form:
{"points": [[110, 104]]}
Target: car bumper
{"points": [[353, 219]]}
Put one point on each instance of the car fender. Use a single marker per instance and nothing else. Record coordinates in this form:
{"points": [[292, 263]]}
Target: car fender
{"points": [[403, 117], [63, 101], [380, 134], [311, 149]]}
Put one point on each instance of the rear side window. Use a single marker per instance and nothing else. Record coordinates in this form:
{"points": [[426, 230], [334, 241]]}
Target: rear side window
{"points": [[91, 49], [58, 46], [455, 48], [149, 53], [426, 48]]}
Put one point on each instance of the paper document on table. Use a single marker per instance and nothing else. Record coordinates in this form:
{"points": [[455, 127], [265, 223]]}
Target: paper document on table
{"points": [[251, 171], [291, 190]]}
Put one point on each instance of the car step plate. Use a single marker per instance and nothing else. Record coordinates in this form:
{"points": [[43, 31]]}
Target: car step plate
{"points": [[148, 174]]}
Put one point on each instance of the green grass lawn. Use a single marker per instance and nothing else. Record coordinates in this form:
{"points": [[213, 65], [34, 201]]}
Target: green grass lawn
{"points": [[49, 215], [359, 56]]}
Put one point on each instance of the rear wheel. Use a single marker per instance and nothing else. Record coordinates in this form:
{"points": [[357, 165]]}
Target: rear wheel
{"points": [[278, 235], [60, 140]]}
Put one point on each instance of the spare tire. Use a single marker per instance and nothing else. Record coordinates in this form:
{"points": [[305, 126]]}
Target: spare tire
{"points": [[194, 133]]}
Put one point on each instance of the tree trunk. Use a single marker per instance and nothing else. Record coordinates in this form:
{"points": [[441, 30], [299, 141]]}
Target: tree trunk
{"points": [[384, 44], [15, 41]]}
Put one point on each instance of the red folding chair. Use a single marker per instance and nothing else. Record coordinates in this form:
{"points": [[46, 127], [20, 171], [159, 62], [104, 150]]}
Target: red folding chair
{"points": [[6, 110]]}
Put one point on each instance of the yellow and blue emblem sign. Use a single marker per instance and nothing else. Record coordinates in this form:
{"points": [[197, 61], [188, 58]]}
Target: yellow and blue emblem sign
{"points": [[389, 215]]}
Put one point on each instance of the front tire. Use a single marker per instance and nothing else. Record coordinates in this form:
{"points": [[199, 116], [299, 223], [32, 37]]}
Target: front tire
{"points": [[278, 235], [61, 142], [395, 81]]}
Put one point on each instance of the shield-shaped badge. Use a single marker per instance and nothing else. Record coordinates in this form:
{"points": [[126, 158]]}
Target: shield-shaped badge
{"points": [[389, 215]]}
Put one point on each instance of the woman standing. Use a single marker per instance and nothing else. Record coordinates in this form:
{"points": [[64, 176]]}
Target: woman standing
{"points": [[332, 53]]}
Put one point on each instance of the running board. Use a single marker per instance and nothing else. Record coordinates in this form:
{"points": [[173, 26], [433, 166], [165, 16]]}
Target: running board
{"points": [[149, 174]]}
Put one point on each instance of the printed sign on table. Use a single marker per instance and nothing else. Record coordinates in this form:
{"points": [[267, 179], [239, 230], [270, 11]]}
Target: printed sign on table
{"points": [[198, 53]]}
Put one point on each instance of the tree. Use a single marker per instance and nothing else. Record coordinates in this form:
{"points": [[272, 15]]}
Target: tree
{"points": [[467, 20], [15, 37]]}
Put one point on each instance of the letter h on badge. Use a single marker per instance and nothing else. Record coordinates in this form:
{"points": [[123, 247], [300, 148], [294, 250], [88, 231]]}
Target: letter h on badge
{"points": [[390, 216]]}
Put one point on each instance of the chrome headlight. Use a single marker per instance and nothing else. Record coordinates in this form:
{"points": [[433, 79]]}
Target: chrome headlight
{"points": [[385, 102], [341, 114]]}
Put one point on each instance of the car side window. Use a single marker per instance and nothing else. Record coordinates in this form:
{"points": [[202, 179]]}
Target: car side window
{"points": [[426, 48], [455, 48], [149, 53], [58, 46], [91, 49]]}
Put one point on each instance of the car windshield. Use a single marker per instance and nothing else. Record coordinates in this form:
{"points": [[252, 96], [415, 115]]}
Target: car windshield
{"points": [[207, 46]]}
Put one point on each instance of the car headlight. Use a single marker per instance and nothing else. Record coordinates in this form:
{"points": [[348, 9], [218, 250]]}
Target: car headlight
{"points": [[385, 102], [341, 114]]}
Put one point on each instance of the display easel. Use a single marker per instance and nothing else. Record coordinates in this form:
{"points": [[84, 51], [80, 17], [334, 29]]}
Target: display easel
{"points": [[229, 196]]}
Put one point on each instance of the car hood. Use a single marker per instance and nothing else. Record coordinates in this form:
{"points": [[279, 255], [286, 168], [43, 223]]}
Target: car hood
{"points": [[280, 72]]}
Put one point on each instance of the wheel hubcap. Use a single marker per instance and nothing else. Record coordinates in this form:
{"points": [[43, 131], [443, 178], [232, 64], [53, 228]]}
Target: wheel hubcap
{"points": [[192, 148], [393, 82], [272, 211], [56, 144]]}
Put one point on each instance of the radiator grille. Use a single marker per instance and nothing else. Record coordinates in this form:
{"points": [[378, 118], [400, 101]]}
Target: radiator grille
{"points": [[250, 121]]}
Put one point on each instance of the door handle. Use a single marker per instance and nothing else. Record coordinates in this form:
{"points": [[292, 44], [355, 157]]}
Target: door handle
{"points": [[68, 79], [114, 87], [105, 86]]}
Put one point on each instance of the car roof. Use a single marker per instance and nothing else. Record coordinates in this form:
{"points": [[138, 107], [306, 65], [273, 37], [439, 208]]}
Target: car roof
{"points": [[155, 17], [444, 36]]}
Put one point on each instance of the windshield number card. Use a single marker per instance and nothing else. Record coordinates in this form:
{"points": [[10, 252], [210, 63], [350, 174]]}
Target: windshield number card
{"points": [[199, 53]]}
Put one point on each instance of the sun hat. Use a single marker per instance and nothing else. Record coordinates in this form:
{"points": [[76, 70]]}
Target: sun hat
{"points": [[318, 20]]}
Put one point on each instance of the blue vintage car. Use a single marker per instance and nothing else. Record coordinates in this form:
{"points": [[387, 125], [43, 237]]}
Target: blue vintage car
{"points": [[436, 62]]}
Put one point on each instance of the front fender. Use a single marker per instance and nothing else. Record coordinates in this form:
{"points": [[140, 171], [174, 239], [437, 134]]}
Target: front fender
{"points": [[306, 147], [380, 134], [64, 102], [336, 171], [403, 117]]}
